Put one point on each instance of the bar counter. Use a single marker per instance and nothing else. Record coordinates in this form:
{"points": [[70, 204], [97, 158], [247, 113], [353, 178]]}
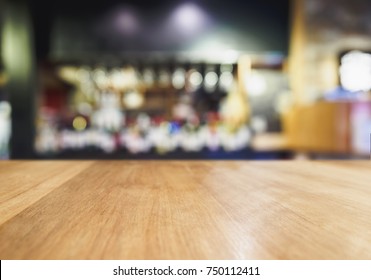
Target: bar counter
{"points": [[185, 210]]}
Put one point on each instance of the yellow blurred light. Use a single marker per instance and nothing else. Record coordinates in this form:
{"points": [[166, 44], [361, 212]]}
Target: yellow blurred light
{"points": [[79, 123], [133, 100], [68, 74]]}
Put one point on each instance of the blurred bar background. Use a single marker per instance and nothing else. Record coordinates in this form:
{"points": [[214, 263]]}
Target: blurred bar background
{"points": [[248, 80]]}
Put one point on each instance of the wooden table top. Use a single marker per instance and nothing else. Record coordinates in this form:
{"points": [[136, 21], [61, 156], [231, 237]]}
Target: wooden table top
{"points": [[185, 210]]}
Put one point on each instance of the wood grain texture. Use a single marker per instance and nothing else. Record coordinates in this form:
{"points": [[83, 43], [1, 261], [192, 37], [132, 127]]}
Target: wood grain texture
{"points": [[185, 210]]}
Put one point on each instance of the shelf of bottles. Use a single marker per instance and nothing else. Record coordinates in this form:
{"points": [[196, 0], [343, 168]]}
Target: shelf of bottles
{"points": [[141, 108]]}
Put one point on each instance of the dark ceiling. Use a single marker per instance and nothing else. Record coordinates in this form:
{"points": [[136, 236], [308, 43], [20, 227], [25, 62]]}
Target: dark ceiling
{"points": [[268, 19]]}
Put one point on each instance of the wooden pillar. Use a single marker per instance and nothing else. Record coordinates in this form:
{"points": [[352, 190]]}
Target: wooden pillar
{"points": [[297, 51]]}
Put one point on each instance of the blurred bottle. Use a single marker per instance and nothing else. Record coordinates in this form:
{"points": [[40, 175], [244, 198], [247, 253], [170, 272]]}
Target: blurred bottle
{"points": [[234, 110], [5, 128]]}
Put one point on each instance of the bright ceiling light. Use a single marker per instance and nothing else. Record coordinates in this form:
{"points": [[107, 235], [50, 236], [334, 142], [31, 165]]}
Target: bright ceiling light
{"points": [[189, 17]]}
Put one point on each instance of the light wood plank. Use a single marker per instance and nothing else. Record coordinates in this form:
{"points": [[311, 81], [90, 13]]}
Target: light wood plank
{"points": [[23, 184], [191, 210]]}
